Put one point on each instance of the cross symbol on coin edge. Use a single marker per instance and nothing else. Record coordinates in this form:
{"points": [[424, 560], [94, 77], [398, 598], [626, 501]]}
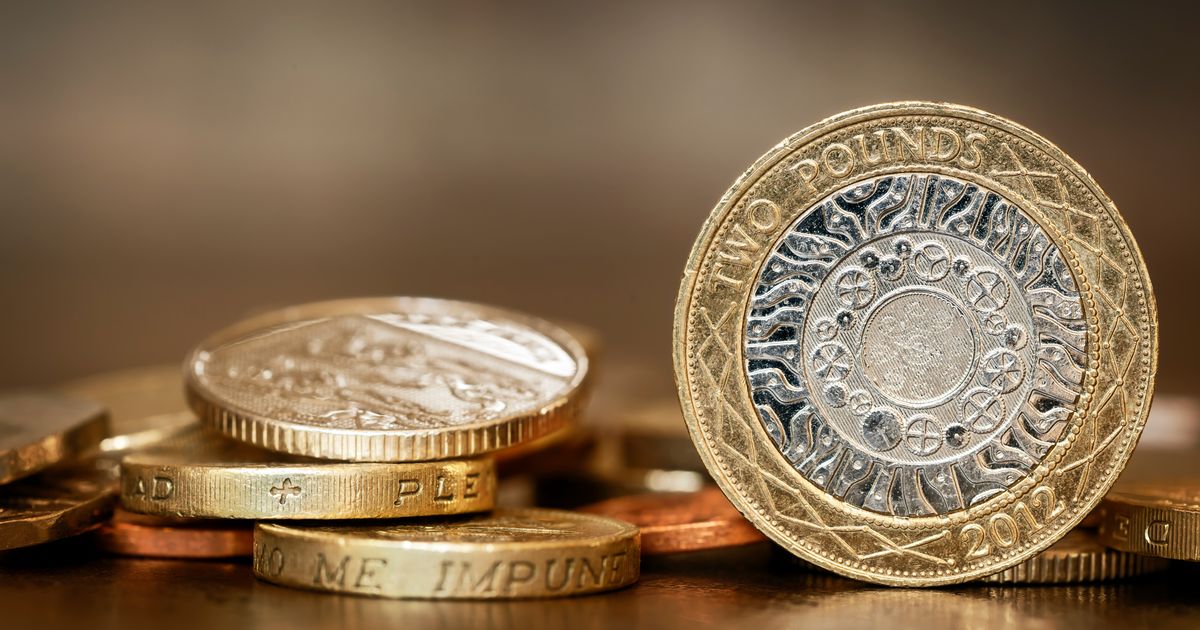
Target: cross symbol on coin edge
{"points": [[285, 490]]}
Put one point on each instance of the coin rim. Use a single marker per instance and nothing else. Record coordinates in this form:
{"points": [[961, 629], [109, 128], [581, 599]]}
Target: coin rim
{"points": [[353, 479], [714, 221], [622, 531], [75, 442], [402, 445]]}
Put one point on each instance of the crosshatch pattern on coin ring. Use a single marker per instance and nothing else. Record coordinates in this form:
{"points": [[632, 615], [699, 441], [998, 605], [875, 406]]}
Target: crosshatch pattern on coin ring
{"points": [[1043, 180]]}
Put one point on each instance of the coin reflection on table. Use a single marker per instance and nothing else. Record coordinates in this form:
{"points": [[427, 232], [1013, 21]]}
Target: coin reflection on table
{"points": [[679, 522], [131, 534]]}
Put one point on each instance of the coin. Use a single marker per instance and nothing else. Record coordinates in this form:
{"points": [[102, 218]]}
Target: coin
{"points": [[1159, 519], [673, 522], [915, 344], [209, 476], [130, 534], [1078, 557], [39, 430], [145, 405], [55, 504], [511, 553], [388, 379]]}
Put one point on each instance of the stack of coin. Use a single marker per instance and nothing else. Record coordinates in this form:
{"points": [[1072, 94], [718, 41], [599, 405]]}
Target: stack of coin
{"points": [[51, 484], [393, 410]]}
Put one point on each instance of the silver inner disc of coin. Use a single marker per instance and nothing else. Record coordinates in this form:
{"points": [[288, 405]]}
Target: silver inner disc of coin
{"points": [[915, 344]]}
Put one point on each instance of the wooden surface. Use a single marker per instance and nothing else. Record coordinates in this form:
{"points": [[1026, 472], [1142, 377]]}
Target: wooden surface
{"points": [[750, 587]]}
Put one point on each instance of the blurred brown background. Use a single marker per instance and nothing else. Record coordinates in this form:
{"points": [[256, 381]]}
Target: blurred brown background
{"points": [[165, 169]]}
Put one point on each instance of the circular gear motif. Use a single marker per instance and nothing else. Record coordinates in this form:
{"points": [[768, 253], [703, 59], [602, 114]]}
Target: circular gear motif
{"points": [[927, 341]]}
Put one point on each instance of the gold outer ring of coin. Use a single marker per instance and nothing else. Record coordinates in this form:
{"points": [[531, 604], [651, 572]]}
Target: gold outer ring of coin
{"points": [[278, 432], [145, 405], [511, 553], [65, 501], [39, 430], [1161, 519], [1010, 526], [1078, 557], [215, 477]]}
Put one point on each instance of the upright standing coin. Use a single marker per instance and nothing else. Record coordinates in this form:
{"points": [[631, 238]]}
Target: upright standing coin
{"points": [[55, 504], [40, 430], [145, 405], [1075, 558], [388, 379], [673, 522], [1161, 519], [130, 534], [205, 475], [511, 553], [915, 344]]}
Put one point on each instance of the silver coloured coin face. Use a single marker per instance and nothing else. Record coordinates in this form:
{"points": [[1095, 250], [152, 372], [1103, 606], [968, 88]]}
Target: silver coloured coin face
{"points": [[915, 344]]}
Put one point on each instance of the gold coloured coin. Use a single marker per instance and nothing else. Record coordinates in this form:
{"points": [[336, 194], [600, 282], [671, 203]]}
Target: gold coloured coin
{"points": [[1161, 519], [1078, 557], [39, 430], [55, 504], [388, 379], [511, 553], [145, 405], [210, 476], [915, 344]]}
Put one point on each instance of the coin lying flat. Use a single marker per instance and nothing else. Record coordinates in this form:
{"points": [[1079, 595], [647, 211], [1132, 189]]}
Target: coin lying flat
{"points": [[388, 379], [39, 430], [915, 344], [55, 504], [1078, 557], [210, 476], [677, 522], [1160, 519], [145, 405], [130, 534], [511, 553]]}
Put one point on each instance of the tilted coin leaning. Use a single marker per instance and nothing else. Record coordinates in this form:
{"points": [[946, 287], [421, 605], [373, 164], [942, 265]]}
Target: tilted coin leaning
{"points": [[388, 379], [40, 430], [915, 343]]}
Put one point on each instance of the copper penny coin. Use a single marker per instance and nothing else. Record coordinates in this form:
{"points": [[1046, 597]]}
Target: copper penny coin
{"points": [[131, 534], [673, 522]]}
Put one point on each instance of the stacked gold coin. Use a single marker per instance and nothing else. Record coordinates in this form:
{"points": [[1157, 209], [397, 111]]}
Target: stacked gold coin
{"points": [[390, 409]]}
